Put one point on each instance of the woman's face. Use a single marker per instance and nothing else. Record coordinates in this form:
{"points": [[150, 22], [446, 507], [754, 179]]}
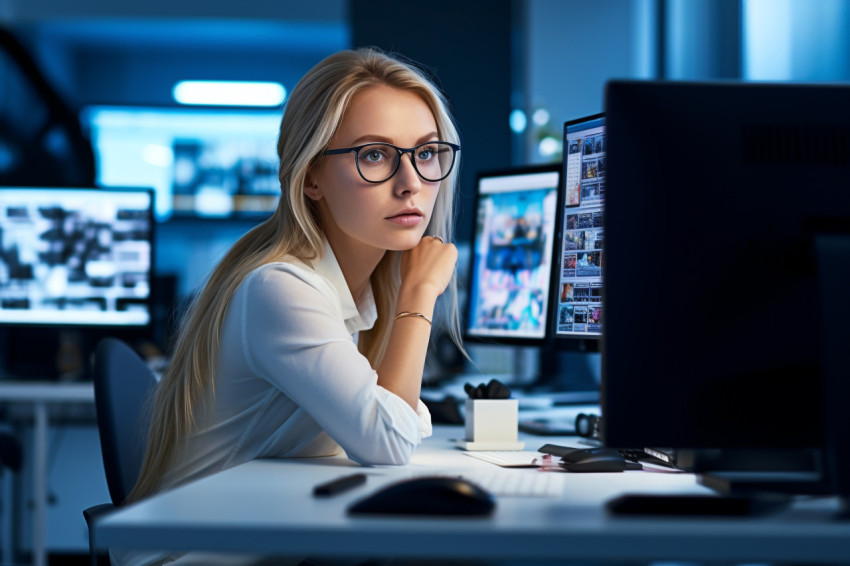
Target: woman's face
{"points": [[391, 215]]}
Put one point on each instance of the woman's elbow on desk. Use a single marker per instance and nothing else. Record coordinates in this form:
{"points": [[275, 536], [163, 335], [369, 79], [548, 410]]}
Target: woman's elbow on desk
{"points": [[389, 432], [382, 459], [391, 449]]}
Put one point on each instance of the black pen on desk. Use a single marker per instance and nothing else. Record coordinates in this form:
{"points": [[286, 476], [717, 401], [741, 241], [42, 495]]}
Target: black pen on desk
{"points": [[339, 485]]}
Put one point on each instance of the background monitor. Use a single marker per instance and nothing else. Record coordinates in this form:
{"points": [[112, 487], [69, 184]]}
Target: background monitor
{"points": [[208, 163], [714, 282], [570, 364], [512, 247], [580, 261], [73, 259]]}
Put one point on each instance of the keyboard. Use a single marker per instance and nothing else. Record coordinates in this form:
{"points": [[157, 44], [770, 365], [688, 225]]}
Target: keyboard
{"points": [[518, 484], [508, 458]]}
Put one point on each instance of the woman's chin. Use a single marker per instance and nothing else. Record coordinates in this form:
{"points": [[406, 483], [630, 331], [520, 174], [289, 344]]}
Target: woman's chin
{"points": [[404, 244]]}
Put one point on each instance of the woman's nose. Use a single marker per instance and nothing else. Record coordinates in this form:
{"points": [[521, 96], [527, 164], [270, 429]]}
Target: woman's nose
{"points": [[407, 180]]}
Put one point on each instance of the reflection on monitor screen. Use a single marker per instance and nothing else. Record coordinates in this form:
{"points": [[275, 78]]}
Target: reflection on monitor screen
{"points": [[201, 162], [580, 261], [512, 263], [75, 257]]}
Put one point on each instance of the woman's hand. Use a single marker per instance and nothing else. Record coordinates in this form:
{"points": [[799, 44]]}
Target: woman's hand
{"points": [[428, 268]]}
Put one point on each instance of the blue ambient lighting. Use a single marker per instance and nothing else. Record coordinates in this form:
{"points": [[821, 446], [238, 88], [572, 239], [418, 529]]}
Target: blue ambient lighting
{"points": [[518, 121], [229, 93]]}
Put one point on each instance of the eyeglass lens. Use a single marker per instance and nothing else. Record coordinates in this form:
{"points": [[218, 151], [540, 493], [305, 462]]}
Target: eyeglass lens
{"points": [[378, 162]]}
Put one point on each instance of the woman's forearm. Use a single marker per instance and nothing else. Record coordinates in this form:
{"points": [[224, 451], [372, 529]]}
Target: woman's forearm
{"points": [[404, 361]]}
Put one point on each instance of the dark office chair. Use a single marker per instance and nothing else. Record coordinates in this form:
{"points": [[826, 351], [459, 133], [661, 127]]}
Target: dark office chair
{"points": [[123, 384], [11, 457]]}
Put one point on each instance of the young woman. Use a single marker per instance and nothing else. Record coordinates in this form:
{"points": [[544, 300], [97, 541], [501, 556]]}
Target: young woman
{"points": [[310, 336]]}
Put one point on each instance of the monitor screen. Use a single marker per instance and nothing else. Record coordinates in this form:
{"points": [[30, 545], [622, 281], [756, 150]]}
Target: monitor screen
{"points": [[578, 277], [72, 257], [209, 163], [714, 279], [512, 254]]}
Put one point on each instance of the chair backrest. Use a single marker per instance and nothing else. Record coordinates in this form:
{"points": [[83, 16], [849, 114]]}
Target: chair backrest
{"points": [[11, 454], [123, 384]]}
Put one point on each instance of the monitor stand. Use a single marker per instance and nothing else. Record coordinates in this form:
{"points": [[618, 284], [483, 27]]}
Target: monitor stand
{"points": [[695, 505], [744, 471], [744, 493], [755, 483], [770, 487], [569, 377], [832, 247]]}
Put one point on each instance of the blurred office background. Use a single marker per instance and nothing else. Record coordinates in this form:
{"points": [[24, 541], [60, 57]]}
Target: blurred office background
{"points": [[513, 70]]}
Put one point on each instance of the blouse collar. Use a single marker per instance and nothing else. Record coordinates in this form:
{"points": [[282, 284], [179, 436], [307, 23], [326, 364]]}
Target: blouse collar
{"points": [[357, 317]]}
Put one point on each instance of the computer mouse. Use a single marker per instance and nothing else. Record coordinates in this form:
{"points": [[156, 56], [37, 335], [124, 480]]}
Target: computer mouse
{"points": [[427, 495], [593, 460]]}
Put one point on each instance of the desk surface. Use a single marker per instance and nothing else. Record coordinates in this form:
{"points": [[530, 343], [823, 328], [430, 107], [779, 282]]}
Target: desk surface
{"points": [[46, 392], [267, 506]]}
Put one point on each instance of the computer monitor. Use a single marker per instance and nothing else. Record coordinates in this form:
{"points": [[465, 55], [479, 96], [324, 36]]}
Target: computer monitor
{"points": [[719, 286], [570, 359], [580, 261], [73, 259], [513, 241], [202, 163]]}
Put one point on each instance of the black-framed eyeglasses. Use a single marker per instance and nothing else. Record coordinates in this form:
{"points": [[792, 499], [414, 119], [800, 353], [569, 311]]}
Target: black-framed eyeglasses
{"points": [[378, 162]]}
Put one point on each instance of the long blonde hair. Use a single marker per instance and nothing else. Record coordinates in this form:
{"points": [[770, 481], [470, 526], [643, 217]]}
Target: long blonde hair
{"points": [[312, 114]]}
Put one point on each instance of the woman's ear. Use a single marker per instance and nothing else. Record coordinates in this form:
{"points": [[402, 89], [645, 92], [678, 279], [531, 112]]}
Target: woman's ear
{"points": [[311, 189]]}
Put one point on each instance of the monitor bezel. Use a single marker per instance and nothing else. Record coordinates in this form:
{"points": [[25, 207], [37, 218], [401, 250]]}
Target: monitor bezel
{"points": [[96, 328], [505, 340]]}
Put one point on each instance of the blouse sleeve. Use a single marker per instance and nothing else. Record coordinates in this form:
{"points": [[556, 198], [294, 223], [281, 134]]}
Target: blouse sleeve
{"points": [[294, 336]]}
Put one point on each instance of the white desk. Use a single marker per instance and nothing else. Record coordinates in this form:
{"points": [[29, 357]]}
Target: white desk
{"points": [[266, 506], [40, 395]]}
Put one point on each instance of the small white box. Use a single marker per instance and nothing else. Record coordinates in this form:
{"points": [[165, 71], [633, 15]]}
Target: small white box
{"points": [[491, 420]]}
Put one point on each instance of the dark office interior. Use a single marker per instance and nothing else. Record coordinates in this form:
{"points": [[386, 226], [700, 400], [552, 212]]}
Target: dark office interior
{"points": [[513, 71]]}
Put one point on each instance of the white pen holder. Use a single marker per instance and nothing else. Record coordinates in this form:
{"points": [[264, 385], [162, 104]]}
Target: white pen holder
{"points": [[491, 424]]}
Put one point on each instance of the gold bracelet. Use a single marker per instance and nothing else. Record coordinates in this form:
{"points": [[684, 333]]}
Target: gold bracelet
{"points": [[404, 314]]}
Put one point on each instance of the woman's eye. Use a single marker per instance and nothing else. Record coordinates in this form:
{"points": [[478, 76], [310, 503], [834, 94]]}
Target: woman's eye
{"points": [[373, 156], [425, 154]]}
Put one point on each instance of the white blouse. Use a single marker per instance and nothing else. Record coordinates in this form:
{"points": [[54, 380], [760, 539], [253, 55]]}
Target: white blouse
{"points": [[290, 382]]}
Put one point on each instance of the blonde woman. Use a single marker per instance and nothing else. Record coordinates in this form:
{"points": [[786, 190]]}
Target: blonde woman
{"points": [[310, 336]]}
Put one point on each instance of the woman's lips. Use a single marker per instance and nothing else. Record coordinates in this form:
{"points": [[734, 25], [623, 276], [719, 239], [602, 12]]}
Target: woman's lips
{"points": [[406, 219]]}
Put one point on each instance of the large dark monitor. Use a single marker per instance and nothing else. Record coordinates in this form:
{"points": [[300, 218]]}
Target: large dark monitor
{"points": [[724, 202], [201, 162], [512, 250], [74, 260]]}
